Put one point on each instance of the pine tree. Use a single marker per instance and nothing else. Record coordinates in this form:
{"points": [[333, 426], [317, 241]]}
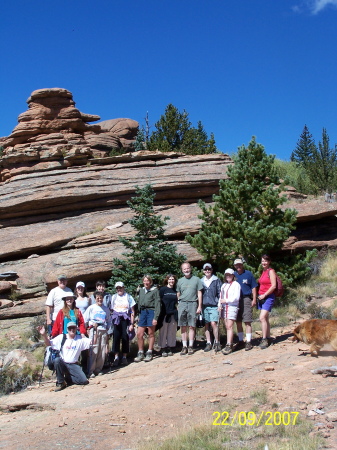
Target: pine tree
{"points": [[147, 251], [325, 164], [305, 149], [245, 218], [140, 140], [175, 133]]}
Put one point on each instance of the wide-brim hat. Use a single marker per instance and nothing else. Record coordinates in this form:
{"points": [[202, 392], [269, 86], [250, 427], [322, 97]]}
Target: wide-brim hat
{"points": [[68, 295]]}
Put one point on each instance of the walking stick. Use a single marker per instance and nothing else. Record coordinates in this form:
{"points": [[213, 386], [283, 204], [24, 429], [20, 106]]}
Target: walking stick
{"points": [[44, 363]]}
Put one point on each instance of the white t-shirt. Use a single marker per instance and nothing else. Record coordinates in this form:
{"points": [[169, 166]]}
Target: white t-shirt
{"points": [[72, 348], [122, 303], [54, 299], [98, 314]]}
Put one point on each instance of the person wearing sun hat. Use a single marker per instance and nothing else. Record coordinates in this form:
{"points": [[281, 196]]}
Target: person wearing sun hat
{"points": [[54, 300], [229, 306], [69, 313]]}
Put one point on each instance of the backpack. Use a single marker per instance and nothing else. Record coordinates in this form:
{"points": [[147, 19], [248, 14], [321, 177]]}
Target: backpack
{"points": [[51, 354], [279, 291]]}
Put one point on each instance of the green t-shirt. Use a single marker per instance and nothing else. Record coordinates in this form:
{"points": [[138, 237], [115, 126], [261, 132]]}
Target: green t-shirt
{"points": [[188, 288]]}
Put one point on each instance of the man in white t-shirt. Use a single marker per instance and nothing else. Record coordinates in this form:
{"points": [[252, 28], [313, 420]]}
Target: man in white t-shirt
{"points": [[54, 300], [67, 370]]}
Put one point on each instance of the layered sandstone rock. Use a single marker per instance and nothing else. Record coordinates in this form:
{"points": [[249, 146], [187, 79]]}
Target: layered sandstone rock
{"points": [[53, 133]]}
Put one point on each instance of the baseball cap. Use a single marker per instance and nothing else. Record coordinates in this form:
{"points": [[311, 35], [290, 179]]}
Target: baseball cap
{"points": [[68, 294], [230, 271], [119, 284], [238, 261], [71, 324], [62, 277], [207, 265], [80, 283]]}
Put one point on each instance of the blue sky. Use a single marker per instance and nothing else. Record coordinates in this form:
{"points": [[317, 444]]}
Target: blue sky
{"points": [[242, 67]]}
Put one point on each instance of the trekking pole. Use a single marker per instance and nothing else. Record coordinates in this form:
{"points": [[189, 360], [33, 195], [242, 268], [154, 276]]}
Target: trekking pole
{"points": [[44, 363], [94, 337]]}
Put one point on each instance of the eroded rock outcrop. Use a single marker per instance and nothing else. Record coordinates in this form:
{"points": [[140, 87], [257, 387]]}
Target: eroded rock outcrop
{"points": [[54, 134]]}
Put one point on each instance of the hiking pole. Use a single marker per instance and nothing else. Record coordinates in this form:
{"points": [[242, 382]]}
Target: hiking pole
{"points": [[44, 363]]}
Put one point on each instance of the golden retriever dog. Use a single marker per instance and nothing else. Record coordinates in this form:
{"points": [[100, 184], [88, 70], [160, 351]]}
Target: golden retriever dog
{"points": [[316, 333]]}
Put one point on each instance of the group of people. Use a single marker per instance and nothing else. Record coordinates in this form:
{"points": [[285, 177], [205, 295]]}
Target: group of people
{"points": [[80, 326]]}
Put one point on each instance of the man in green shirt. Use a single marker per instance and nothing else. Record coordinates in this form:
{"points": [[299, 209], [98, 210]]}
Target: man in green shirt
{"points": [[189, 292]]}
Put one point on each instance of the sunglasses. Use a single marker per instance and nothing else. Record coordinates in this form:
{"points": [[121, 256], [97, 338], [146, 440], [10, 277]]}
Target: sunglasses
{"points": [[72, 328], [207, 270]]}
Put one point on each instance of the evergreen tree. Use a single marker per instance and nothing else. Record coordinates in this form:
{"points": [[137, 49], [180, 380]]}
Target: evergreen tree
{"points": [[174, 132], [140, 140], [245, 218], [325, 163], [305, 149], [147, 251]]}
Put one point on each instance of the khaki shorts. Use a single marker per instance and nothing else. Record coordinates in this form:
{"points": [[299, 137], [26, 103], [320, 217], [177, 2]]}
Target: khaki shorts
{"points": [[187, 314], [245, 313]]}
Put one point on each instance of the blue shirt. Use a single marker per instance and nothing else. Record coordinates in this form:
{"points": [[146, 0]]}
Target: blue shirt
{"points": [[246, 281]]}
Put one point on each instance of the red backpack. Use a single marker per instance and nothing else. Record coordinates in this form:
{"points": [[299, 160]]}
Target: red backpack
{"points": [[279, 291]]}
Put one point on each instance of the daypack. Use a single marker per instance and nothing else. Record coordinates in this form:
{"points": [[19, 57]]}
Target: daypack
{"points": [[51, 354], [279, 291]]}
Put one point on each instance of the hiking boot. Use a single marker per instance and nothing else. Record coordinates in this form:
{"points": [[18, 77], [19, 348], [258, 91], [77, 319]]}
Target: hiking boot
{"points": [[228, 349], [190, 351], [60, 386], [240, 345], [148, 357], [116, 362], [169, 351], [164, 352], [248, 346], [264, 344], [217, 347], [184, 351], [208, 347], [140, 357], [124, 361]]}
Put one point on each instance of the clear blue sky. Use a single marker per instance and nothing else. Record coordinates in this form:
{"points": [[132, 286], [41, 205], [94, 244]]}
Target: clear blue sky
{"points": [[242, 67]]}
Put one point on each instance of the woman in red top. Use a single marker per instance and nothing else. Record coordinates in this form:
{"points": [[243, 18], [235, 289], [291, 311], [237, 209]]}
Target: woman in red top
{"points": [[69, 313], [266, 298]]}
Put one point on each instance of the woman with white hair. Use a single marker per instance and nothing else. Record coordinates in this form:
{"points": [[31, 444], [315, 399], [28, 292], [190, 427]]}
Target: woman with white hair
{"points": [[229, 306]]}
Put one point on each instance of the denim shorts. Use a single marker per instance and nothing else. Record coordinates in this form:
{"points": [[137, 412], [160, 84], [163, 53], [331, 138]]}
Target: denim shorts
{"points": [[211, 314], [145, 318]]}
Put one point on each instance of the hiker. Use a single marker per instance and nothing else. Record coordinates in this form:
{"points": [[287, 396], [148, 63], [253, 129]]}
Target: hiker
{"points": [[69, 313], [229, 306], [122, 322], [97, 317], [82, 300], [248, 284], [266, 298], [100, 287], [189, 292], [168, 315], [54, 300], [67, 370], [210, 299], [149, 310]]}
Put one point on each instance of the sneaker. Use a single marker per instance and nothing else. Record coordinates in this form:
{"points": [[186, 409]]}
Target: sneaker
{"points": [[60, 386], [190, 351], [99, 374], [164, 352], [208, 347], [184, 351], [124, 361], [169, 351], [116, 362], [248, 346], [140, 357], [148, 357], [240, 345], [264, 344], [92, 375], [228, 349], [217, 347]]}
